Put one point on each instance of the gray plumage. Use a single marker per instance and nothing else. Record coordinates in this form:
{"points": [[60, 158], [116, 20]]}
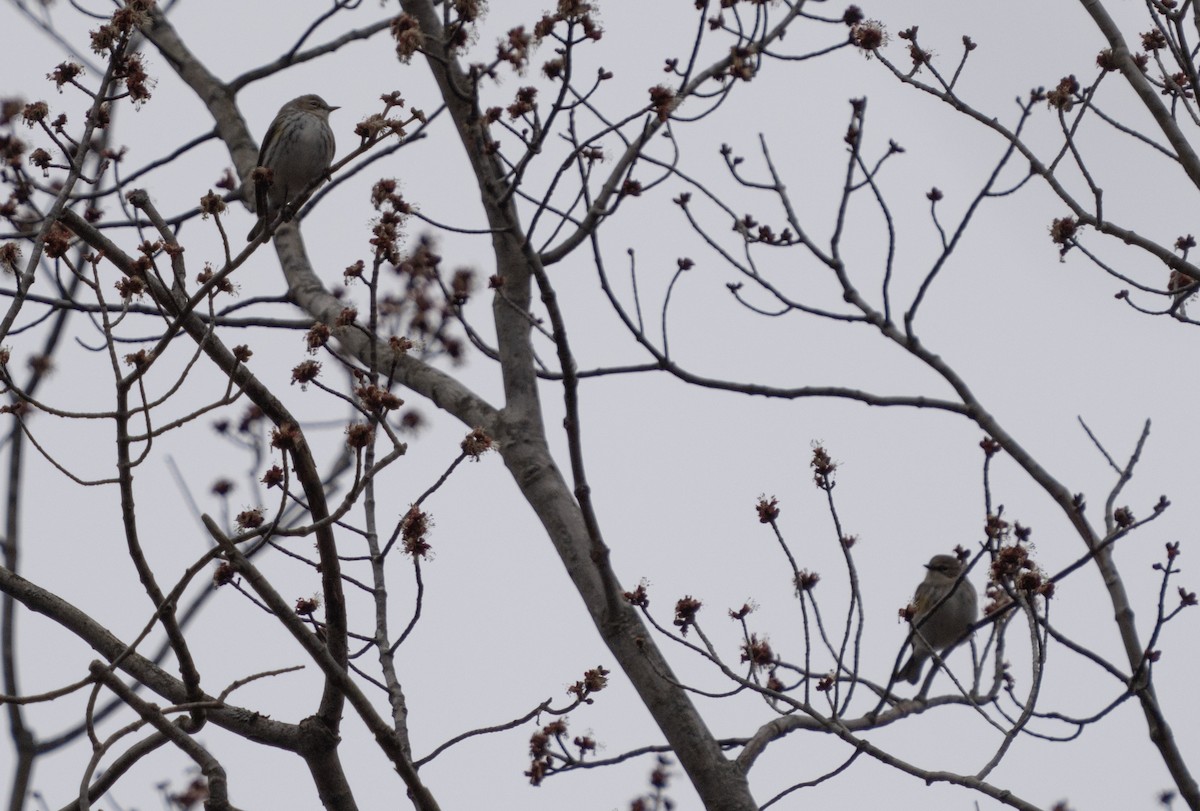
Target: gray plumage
{"points": [[298, 149], [938, 627]]}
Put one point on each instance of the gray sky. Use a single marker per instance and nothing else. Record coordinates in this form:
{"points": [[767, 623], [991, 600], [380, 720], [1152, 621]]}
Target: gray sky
{"points": [[676, 471]]}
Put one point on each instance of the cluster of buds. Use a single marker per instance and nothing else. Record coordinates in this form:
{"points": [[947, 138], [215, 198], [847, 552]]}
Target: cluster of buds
{"points": [[1014, 570], [414, 529], [757, 652], [476, 444], [823, 468], [768, 509], [593, 681], [543, 756], [686, 610]]}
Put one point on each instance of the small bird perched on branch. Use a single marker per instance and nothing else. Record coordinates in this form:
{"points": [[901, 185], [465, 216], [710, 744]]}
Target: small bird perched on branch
{"points": [[297, 151], [938, 621]]}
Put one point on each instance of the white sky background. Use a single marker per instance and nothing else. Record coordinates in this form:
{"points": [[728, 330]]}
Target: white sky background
{"points": [[676, 471]]}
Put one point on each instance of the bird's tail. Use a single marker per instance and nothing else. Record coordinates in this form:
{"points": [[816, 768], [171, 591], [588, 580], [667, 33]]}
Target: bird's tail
{"points": [[911, 671]]}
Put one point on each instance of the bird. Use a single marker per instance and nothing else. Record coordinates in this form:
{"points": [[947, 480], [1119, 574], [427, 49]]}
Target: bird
{"points": [[938, 624], [298, 149]]}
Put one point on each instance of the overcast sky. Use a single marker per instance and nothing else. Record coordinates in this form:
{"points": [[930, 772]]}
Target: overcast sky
{"points": [[676, 471]]}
